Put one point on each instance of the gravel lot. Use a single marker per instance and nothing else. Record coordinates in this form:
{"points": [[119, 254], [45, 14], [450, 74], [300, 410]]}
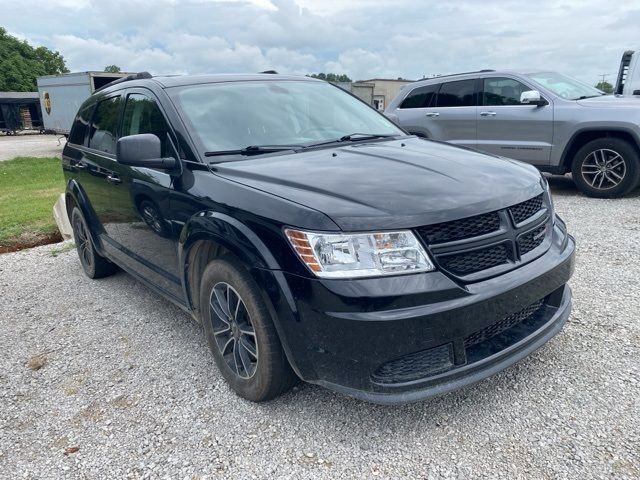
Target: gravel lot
{"points": [[30, 145], [128, 379]]}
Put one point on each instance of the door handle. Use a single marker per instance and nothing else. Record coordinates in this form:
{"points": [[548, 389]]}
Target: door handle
{"points": [[487, 114], [432, 114], [114, 179]]}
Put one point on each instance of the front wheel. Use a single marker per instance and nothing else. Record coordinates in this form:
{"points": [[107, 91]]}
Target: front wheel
{"points": [[241, 334], [606, 168]]}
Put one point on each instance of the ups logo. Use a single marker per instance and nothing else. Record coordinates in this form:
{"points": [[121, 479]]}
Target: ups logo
{"points": [[46, 100]]}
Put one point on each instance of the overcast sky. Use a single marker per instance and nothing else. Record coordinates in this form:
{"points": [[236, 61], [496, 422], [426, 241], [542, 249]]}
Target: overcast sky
{"points": [[362, 38]]}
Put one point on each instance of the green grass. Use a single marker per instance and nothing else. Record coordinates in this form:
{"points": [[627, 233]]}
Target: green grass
{"points": [[64, 249], [28, 189]]}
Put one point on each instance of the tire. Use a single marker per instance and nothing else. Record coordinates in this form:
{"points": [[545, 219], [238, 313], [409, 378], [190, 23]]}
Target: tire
{"points": [[93, 264], [253, 364], [153, 218], [606, 168]]}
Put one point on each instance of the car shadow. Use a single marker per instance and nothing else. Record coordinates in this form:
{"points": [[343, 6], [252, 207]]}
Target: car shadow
{"points": [[563, 185]]}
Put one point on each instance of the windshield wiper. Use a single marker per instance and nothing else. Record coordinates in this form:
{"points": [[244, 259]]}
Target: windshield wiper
{"points": [[253, 149], [589, 96], [352, 137]]}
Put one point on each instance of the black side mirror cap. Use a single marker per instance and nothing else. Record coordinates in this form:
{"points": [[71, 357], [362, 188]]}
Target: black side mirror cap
{"points": [[143, 150]]}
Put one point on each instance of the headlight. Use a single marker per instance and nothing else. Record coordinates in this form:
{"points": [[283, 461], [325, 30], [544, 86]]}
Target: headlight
{"points": [[337, 255], [545, 185]]}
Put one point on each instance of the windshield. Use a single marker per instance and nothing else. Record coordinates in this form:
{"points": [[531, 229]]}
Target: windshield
{"points": [[564, 86], [235, 115]]}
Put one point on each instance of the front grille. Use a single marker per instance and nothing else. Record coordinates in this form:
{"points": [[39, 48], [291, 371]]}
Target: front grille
{"points": [[524, 210], [416, 365], [532, 240], [476, 260], [485, 241], [502, 325], [460, 229]]}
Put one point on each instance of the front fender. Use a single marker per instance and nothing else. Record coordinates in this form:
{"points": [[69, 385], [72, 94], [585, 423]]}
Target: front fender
{"points": [[228, 232], [239, 239], [234, 236]]}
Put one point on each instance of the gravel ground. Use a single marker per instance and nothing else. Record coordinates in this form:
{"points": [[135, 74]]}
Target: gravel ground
{"points": [[127, 379], [30, 145]]}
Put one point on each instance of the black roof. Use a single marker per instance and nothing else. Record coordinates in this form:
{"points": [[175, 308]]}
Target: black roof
{"points": [[19, 97], [180, 80]]}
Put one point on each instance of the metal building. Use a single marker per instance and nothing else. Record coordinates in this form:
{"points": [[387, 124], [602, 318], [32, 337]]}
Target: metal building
{"points": [[20, 111]]}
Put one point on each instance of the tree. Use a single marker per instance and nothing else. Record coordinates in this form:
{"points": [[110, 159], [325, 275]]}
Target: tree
{"points": [[605, 86], [330, 77], [112, 69], [20, 64]]}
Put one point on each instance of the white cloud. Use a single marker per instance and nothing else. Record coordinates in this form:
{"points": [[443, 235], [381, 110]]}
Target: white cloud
{"points": [[363, 38]]}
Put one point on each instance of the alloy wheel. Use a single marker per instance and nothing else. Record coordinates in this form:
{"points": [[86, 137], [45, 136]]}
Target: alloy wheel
{"points": [[150, 216], [233, 330], [603, 169], [83, 242]]}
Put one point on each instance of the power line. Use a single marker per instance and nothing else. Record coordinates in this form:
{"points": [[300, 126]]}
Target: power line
{"points": [[603, 75]]}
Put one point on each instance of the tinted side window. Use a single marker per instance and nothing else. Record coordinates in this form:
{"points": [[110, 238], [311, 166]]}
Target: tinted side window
{"points": [[142, 115], [80, 126], [502, 91], [104, 125], [421, 97], [457, 94]]}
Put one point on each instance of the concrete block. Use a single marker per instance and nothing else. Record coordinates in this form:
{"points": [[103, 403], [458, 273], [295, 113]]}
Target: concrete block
{"points": [[61, 218]]}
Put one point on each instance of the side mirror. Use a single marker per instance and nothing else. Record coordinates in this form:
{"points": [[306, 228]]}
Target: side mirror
{"points": [[532, 97], [142, 150]]}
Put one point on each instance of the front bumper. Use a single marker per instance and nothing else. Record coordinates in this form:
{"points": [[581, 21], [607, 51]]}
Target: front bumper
{"points": [[406, 338]]}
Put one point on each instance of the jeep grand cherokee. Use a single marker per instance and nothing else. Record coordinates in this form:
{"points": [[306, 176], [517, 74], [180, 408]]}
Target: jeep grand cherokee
{"points": [[550, 120], [313, 238]]}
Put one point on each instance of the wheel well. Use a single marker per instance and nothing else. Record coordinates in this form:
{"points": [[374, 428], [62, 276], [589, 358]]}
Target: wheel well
{"points": [[139, 199], [583, 138], [200, 255], [70, 203]]}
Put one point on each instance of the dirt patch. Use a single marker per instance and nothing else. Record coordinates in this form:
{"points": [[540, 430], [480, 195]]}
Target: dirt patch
{"points": [[29, 240], [36, 362]]}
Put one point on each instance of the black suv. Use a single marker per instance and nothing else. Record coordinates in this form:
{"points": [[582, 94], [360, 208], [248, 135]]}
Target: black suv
{"points": [[313, 238]]}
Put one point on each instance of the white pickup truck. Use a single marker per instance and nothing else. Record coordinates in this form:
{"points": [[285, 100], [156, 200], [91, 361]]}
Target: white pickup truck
{"points": [[628, 82]]}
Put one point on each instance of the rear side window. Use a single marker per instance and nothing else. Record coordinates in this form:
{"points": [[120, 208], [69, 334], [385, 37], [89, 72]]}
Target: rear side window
{"points": [[421, 97], [142, 115], [80, 126], [457, 94], [104, 126], [502, 91]]}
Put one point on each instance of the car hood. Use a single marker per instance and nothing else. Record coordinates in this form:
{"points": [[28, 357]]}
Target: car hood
{"points": [[608, 101], [391, 184]]}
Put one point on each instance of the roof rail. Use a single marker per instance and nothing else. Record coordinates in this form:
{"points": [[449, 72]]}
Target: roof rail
{"points": [[135, 76], [272, 72], [457, 74]]}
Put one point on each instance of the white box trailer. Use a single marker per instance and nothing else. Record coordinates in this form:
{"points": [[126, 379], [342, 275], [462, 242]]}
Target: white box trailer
{"points": [[62, 95]]}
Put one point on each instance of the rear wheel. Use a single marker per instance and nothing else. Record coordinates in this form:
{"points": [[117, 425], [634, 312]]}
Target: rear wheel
{"points": [[154, 219], [606, 168], [93, 264], [241, 334]]}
